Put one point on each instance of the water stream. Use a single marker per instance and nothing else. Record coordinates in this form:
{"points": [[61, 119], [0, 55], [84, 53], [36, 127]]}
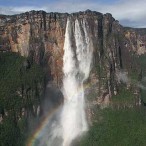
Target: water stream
{"points": [[77, 64], [69, 121]]}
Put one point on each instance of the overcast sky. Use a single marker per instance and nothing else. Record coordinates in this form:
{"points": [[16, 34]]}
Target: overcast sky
{"points": [[128, 12]]}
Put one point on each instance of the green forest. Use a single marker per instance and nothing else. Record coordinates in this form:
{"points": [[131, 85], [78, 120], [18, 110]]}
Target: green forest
{"points": [[20, 86], [121, 127], [123, 123]]}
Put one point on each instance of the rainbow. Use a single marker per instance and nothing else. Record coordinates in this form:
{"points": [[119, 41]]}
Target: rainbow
{"points": [[31, 141], [39, 129]]}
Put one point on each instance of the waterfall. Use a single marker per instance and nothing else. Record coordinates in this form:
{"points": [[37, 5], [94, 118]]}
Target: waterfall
{"points": [[69, 121], [76, 68]]}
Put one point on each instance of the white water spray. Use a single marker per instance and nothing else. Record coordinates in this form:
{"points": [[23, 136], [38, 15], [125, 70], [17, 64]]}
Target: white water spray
{"points": [[77, 63], [69, 121]]}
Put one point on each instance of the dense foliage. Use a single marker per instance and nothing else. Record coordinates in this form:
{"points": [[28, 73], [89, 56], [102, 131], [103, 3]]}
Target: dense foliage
{"points": [[123, 123], [142, 63], [123, 127], [20, 86]]}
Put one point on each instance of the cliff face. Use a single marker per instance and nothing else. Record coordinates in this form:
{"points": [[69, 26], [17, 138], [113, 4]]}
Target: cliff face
{"points": [[118, 56], [36, 35], [136, 40], [40, 37]]}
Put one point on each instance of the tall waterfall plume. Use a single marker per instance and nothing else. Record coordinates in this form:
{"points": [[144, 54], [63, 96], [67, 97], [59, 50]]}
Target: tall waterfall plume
{"points": [[69, 121], [77, 59]]}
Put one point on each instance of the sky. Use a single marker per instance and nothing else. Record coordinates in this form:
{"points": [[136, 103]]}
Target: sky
{"points": [[130, 13]]}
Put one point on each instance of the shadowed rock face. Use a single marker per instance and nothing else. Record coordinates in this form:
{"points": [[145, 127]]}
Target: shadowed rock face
{"points": [[40, 36]]}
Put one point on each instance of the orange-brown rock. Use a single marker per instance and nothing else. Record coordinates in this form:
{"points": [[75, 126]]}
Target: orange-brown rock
{"points": [[40, 37]]}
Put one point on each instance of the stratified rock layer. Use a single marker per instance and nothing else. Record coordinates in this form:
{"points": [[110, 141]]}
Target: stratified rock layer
{"points": [[40, 37]]}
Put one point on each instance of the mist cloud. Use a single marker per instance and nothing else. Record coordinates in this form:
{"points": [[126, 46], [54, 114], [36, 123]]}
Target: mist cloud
{"points": [[124, 78]]}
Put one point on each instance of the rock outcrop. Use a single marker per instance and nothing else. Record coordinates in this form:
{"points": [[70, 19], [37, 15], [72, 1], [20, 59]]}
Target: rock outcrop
{"points": [[136, 40], [40, 37]]}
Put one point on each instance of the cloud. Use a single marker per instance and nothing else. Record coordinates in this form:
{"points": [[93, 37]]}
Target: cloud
{"points": [[128, 12], [16, 10], [124, 78]]}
